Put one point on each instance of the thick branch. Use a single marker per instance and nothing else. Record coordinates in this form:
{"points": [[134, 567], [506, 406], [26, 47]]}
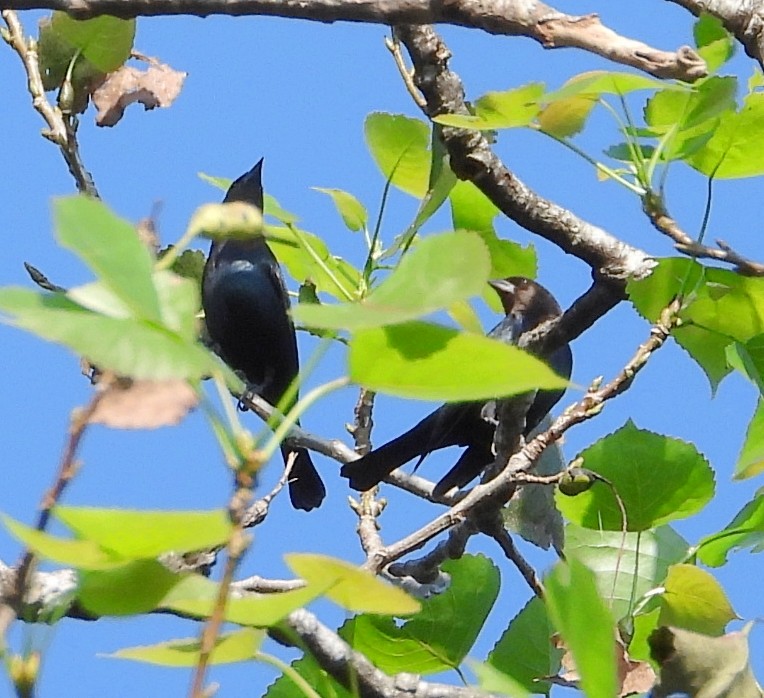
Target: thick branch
{"points": [[535, 20], [743, 19], [472, 159]]}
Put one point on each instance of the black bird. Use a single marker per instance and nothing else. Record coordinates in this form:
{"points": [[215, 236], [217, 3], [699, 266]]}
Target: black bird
{"points": [[247, 314], [527, 304]]}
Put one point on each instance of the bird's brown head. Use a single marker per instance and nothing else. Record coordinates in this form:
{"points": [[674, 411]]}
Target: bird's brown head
{"points": [[524, 298]]}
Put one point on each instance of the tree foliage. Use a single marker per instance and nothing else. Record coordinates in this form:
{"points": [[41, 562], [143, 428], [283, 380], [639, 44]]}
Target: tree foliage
{"points": [[628, 594]]}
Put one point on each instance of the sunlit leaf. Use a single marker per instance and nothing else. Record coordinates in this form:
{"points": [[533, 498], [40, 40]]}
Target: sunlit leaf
{"points": [[105, 41], [599, 82], [136, 587], [351, 210], [351, 587], [566, 117], [735, 150], [586, 626], [498, 110], [626, 566], [441, 270], [197, 596], [442, 633], [239, 646], [135, 535], [695, 601], [431, 362], [658, 478], [109, 245], [525, 651], [746, 530], [715, 44], [400, 147], [82, 554]]}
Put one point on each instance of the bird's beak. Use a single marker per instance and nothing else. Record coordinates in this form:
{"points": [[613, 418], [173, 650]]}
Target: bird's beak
{"points": [[502, 285]]}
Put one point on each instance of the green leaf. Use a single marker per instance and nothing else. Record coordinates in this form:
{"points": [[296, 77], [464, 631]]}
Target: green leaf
{"points": [[746, 530], [351, 587], [750, 462], [431, 362], [129, 347], [353, 212], [134, 588], [439, 271], [441, 182], [196, 596], [179, 300], [135, 535], [491, 680], [566, 117], [315, 677], [306, 256], [659, 479], [715, 44], [695, 601], [82, 554], [600, 82], [55, 56], [721, 306], [239, 646], [109, 245], [748, 359], [586, 626], [735, 150], [471, 209], [496, 110], [644, 625], [441, 634], [105, 41], [626, 566], [690, 117], [525, 651], [399, 146]]}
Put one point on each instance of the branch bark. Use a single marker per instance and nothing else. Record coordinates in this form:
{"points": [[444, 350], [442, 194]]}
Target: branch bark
{"points": [[745, 20], [529, 18]]}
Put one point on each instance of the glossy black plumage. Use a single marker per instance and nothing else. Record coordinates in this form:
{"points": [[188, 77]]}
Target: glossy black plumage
{"points": [[246, 309], [527, 304]]}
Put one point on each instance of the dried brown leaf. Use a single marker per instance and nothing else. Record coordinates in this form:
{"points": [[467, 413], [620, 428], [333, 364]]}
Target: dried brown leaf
{"points": [[131, 404], [157, 86], [633, 676]]}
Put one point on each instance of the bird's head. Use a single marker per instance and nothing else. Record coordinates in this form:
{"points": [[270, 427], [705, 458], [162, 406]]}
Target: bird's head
{"points": [[526, 300], [248, 187]]}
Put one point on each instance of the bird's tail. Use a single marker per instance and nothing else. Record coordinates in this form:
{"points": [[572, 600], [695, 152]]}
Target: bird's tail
{"points": [[306, 490], [375, 466]]}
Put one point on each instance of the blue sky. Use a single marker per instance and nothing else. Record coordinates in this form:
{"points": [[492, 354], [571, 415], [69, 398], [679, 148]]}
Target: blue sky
{"points": [[297, 94]]}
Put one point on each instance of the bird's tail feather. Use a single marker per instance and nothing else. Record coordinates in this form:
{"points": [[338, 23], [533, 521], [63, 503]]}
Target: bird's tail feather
{"points": [[306, 490], [375, 466]]}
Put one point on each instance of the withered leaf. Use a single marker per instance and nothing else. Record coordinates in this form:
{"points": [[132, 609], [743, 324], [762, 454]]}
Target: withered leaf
{"points": [[157, 86], [130, 404]]}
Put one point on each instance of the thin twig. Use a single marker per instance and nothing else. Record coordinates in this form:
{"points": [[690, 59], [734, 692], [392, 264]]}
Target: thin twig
{"points": [[238, 543], [62, 129], [655, 209], [79, 420]]}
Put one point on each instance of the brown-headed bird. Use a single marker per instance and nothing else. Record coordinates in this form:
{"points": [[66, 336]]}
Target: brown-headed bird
{"points": [[246, 307], [527, 304]]}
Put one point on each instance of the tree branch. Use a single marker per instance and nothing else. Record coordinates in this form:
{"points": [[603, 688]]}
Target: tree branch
{"points": [[62, 129], [472, 159], [529, 18], [745, 20]]}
